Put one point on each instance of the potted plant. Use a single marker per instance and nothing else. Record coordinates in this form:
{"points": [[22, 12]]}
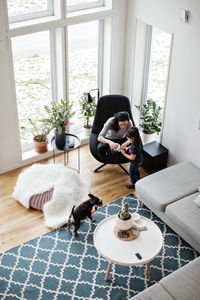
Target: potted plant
{"points": [[124, 218], [88, 110], [40, 130], [150, 121], [59, 114]]}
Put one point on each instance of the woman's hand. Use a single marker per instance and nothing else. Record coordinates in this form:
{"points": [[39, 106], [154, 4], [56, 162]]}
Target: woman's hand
{"points": [[113, 145]]}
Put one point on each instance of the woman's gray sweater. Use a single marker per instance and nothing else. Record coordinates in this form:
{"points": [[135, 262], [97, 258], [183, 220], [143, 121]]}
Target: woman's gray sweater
{"points": [[110, 134]]}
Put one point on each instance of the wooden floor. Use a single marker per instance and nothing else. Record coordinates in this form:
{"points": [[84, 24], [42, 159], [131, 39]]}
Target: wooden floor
{"points": [[18, 224]]}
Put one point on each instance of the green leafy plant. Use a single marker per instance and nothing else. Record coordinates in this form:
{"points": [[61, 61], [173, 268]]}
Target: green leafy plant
{"points": [[88, 109], [59, 114], [39, 129], [150, 120]]}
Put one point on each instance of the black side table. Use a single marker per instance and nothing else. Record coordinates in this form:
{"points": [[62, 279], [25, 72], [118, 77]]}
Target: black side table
{"points": [[66, 147], [154, 157]]}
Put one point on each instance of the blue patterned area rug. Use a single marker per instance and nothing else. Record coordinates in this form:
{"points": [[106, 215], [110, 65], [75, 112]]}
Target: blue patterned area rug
{"points": [[60, 266]]}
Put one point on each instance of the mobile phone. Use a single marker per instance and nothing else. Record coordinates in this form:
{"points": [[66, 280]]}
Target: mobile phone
{"points": [[138, 255]]}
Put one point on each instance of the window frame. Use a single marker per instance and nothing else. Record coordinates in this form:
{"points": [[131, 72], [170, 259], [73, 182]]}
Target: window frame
{"points": [[61, 22], [146, 73], [34, 15]]}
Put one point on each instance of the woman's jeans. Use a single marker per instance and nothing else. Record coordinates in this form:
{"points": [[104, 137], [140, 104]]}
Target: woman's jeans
{"points": [[134, 171]]}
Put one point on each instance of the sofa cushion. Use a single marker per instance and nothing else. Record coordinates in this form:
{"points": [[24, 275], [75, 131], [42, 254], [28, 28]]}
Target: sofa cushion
{"points": [[168, 185], [155, 291], [184, 283], [186, 214], [197, 200]]}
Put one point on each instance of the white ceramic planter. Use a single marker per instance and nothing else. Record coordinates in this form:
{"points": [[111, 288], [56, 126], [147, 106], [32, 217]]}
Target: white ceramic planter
{"points": [[124, 224], [148, 138], [87, 131]]}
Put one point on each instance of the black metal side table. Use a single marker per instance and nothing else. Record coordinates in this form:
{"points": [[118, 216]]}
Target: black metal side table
{"points": [[155, 157], [67, 147]]}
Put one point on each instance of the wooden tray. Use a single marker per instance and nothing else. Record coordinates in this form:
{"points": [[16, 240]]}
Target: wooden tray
{"points": [[133, 233]]}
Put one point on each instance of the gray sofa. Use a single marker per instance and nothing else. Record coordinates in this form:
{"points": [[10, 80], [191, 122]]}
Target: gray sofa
{"points": [[183, 284], [169, 193]]}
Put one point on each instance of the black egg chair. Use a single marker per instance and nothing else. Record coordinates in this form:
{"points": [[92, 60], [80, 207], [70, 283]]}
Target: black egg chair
{"points": [[107, 106]]}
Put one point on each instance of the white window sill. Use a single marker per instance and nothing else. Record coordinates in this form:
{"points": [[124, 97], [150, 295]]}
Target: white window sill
{"points": [[30, 22], [101, 9], [31, 156]]}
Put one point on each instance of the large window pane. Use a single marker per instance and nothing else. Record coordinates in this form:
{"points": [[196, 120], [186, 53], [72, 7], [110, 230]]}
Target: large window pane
{"points": [[158, 65], [21, 7], [83, 64], [31, 54]]}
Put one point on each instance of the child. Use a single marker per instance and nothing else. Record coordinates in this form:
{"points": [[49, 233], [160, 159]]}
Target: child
{"points": [[134, 154]]}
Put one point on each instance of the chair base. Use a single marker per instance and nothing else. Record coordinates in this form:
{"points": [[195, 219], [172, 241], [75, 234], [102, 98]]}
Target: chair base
{"points": [[103, 165]]}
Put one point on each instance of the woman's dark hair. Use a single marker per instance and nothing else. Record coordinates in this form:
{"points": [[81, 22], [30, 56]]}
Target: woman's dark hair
{"points": [[133, 132], [120, 117]]}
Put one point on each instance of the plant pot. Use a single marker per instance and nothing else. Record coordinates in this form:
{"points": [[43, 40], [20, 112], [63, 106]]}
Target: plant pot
{"points": [[40, 147], [148, 138], [87, 130], [59, 138], [124, 224]]}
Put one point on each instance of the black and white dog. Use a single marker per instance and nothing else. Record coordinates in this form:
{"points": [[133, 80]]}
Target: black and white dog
{"points": [[83, 211]]}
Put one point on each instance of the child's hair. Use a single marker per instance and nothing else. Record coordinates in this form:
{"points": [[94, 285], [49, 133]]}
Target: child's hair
{"points": [[133, 132], [120, 117]]}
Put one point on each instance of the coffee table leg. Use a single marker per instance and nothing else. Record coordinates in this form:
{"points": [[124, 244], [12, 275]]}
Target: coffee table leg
{"points": [[149, 271], [108, 271]]}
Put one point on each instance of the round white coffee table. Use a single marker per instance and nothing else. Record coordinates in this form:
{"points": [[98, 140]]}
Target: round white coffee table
{"points": [[148, 244]]}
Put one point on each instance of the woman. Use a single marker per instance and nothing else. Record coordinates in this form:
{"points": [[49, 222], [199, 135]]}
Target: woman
{"points": [[132, 149], [114, 133]]}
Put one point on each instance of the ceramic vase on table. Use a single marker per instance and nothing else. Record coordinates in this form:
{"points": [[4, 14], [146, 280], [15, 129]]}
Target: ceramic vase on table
{"points": [[60, 138]]}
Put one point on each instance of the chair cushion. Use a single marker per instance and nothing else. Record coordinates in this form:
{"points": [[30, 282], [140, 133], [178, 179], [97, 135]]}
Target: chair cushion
{"points": [[168, 185], [38, 201], [154, 292], [185, 214], [184, 283]]}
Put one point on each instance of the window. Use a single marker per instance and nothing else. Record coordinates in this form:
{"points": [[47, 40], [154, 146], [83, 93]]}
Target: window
{"points": [[53, 59], [31, 55], [82, 65], [19, 10], [158, 57]]}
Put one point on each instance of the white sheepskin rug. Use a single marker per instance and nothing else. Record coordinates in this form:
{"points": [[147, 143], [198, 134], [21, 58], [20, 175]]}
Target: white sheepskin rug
{"points": [[69, 190]]}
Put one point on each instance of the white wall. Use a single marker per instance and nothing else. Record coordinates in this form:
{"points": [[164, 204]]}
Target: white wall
{"points": [[180, 134], [117, 47], [10, 149]]}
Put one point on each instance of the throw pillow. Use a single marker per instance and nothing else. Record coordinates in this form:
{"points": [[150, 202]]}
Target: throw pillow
{"points": [[197, 200]]}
